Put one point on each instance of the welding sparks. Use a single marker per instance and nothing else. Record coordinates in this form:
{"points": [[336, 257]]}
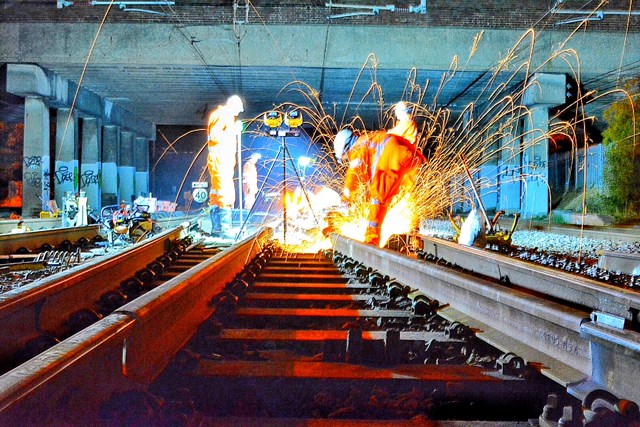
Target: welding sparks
{"points": [[494, 134]]}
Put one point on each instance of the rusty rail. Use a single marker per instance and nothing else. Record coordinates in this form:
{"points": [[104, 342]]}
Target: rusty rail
{"points": [[125, 350]]}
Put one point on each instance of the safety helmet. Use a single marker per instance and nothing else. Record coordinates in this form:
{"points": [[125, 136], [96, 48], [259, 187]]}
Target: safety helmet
{"points": [[235, 103], [340, 142], [401, 109], [255, 156]]}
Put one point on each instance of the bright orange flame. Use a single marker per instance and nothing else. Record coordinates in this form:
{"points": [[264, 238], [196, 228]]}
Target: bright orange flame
{"points": [[397, 221]]}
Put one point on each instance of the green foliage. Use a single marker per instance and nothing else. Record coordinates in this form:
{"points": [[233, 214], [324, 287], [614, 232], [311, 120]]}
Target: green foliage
{"points": [[558, 219], [622, 148]]}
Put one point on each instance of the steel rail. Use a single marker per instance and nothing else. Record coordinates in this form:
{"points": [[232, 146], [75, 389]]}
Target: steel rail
{"points": [[594, 232], [44, 306], [582, 291], [127, 349], [10, 243], [567, 344], [51, 232]]}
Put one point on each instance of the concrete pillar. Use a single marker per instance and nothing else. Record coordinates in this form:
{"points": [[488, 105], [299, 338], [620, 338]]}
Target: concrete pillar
{"points": [[110, 145], [544, 91], [535, 163], [142, 167], [90, 165], [509, 178], [36, 169], [126, 169], [65, 177]]}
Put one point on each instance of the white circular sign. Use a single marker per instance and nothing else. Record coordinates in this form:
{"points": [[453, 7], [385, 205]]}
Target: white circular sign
{"points": [[200, 195]]}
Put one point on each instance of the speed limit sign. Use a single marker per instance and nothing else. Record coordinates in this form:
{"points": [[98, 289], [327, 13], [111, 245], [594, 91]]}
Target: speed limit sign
{"points": [[199, 195]]}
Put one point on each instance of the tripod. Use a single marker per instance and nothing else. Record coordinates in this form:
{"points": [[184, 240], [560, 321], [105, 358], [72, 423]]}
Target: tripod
{"points": [[286, 155]]}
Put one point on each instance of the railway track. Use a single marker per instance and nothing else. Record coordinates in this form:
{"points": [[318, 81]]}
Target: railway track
{"points": [[582, 333], [300, 339], [256, 336], [38, 315]]}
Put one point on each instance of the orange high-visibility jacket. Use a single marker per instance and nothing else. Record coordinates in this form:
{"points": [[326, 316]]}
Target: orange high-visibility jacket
{"points": [[385, 162], [221, 161], [250, 178], [382, 160], [406, 128]]}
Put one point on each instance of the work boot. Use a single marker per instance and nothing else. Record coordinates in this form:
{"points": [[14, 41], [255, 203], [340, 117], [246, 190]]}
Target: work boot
{"points": [[216, 225], [225, 223]]}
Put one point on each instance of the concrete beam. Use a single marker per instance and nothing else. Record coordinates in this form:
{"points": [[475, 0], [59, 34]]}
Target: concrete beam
{"points": [[546, 90], [298, 45], [31, 80]]}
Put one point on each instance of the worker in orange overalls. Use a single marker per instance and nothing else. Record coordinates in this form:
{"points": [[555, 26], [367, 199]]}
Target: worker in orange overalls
{"points": [[385, 162], [223, 135], [250, 180], [405, 125]]}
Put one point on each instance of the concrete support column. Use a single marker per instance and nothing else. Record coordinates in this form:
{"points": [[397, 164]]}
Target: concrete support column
{"points": [[509, 178], [142, 167], [126, 169], [543, 92], [65, 176], [90, 165], [535, 163], [110, 146], [36, 170]]}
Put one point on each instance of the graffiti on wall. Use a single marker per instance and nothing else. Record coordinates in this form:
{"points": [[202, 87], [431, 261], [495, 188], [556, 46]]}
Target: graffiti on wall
{"points": [[64, 174], [89, 177]]}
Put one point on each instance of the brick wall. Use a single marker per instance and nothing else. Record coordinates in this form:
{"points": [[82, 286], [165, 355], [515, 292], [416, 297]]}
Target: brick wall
{"points": [[519, 14]]}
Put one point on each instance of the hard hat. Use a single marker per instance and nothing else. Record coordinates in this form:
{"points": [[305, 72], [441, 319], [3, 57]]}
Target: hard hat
{"points": [[340, 142], [235, 103], [256, 156], [401, 109]]}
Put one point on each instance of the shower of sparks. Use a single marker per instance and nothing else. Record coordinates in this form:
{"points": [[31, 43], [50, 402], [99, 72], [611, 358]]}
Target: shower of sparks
{"points": [[488, 131]]}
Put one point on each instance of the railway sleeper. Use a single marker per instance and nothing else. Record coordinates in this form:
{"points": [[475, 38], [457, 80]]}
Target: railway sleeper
{"points": [[302, 349]]}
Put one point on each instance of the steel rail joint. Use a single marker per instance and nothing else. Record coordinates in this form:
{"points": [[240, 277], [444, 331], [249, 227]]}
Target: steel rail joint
{"points": [[34, 392], [612, 356], [615, 355]]}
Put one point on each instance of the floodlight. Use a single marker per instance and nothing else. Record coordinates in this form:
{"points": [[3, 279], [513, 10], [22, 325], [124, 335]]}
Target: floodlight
{"points": [[293, 119], [272, 119]]}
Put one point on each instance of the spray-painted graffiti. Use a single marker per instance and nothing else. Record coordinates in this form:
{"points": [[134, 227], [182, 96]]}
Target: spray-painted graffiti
{"points": [[32, 162], [32, 179], [508, 171], [63, 174], [538, 164], [47, 181], [537, 169], [89, 178]]}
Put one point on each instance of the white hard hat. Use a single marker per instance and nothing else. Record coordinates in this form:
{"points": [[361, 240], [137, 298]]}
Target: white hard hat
{"points": [[340, 141], [235, 102], [401, 109], [255, 156]]}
